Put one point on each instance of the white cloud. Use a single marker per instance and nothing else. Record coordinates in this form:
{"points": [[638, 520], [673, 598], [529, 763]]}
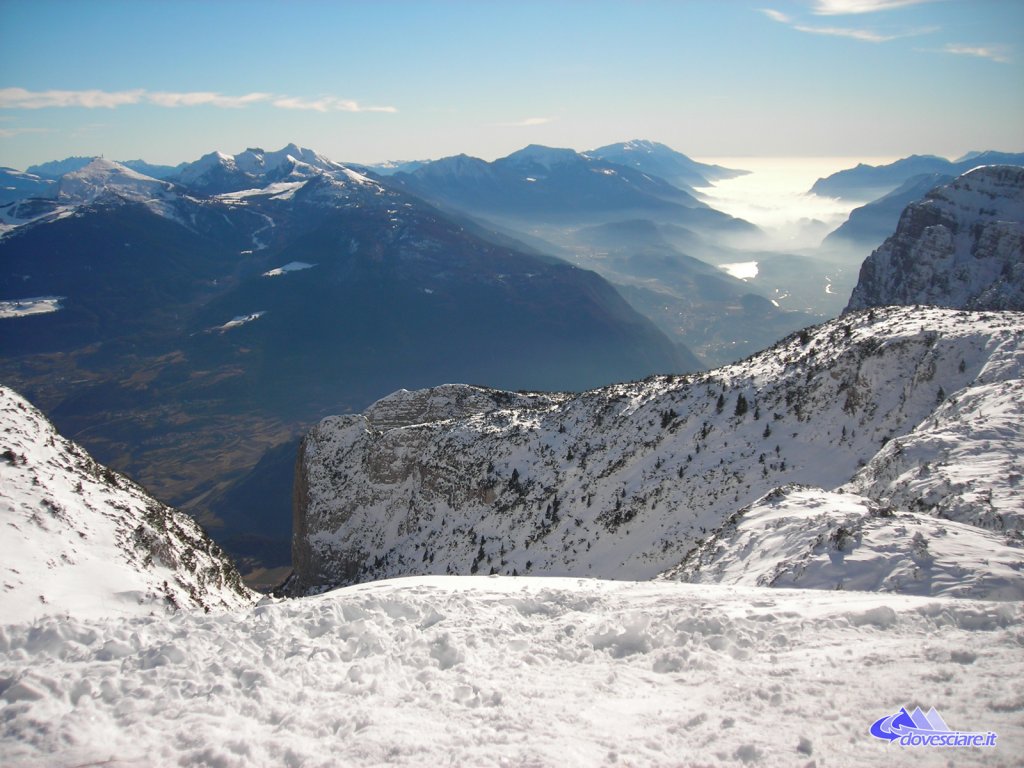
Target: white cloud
{"points": [[778, 16], [326, 104], [527, 123], [204, 98], [20, 98], [843, 7], [995, 53], [865, 35]]}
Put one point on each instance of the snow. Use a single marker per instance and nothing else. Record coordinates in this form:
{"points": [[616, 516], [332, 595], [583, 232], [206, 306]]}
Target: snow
{"points": [[239, 321], [508, 671], [291, 266], [82, 540], [281, 190], [742, 270], [359, 178], [814, 539], [38, 305], [103, 176]]}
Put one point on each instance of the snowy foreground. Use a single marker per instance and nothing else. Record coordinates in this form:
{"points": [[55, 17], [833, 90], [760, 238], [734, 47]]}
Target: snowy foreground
{"points": [[501, 671]]}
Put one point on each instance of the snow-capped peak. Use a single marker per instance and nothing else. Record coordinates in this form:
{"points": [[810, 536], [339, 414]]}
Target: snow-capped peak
{"points": [[102, 176]]}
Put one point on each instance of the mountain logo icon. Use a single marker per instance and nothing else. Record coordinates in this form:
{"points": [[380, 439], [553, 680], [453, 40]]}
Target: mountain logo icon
{"points": [[917, 729]]}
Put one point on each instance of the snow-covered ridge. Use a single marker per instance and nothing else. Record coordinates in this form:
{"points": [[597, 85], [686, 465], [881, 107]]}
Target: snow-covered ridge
{"points": [[962, 246], [83, 541], [625, 481]]}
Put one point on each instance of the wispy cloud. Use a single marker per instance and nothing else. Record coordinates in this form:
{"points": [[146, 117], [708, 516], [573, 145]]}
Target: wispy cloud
{"points": [[864, 35], [10, 133], [527, 123], [778, 16], [203, 99], [325, 104], [995, 53], [20, 98], [844, 7]]}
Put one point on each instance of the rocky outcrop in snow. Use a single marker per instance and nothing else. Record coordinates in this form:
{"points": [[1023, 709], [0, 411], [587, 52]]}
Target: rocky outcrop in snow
{"points": [[82, 540], [962, 246], [626, 481]]}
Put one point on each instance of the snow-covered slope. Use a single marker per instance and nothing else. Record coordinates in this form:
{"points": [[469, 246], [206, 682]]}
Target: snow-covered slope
{"points": [[104, 177], [963, 464], [799, 536], [517, 672], [624, 481], [962, 246], [83, 541]]}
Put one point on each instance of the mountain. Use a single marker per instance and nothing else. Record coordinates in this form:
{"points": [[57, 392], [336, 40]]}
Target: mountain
{"points": [[551, 185], [105, 177], [869, 182], [84, 541], [664, 162], [626, 481], [869, 225], [183, 338], [961, 246], [565, 203], [255, 168], [155, 171], [54, 169], [18, 185], [389, 167]]}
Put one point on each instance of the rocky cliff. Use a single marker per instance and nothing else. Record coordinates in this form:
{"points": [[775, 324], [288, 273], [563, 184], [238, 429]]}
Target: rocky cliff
{"points": [[962, 246]]}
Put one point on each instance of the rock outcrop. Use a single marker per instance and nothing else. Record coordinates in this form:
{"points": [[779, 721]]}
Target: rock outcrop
{"points": [[960, 247]]}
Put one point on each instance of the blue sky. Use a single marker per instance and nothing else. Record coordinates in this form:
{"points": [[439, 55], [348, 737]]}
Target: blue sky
{"points": [[369, 81]]}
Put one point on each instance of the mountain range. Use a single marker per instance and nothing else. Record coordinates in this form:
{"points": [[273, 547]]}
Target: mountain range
{"points": [[195, 332], [879, 452], [189, 329], [869, 182]]}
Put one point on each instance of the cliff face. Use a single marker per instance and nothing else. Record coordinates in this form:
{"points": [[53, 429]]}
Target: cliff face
{"points": [[626, 481], [961, 247]]}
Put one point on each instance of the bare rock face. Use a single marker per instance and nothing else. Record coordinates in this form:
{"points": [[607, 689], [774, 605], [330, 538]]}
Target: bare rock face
{"points": [[625, 481], [961, 247]]}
